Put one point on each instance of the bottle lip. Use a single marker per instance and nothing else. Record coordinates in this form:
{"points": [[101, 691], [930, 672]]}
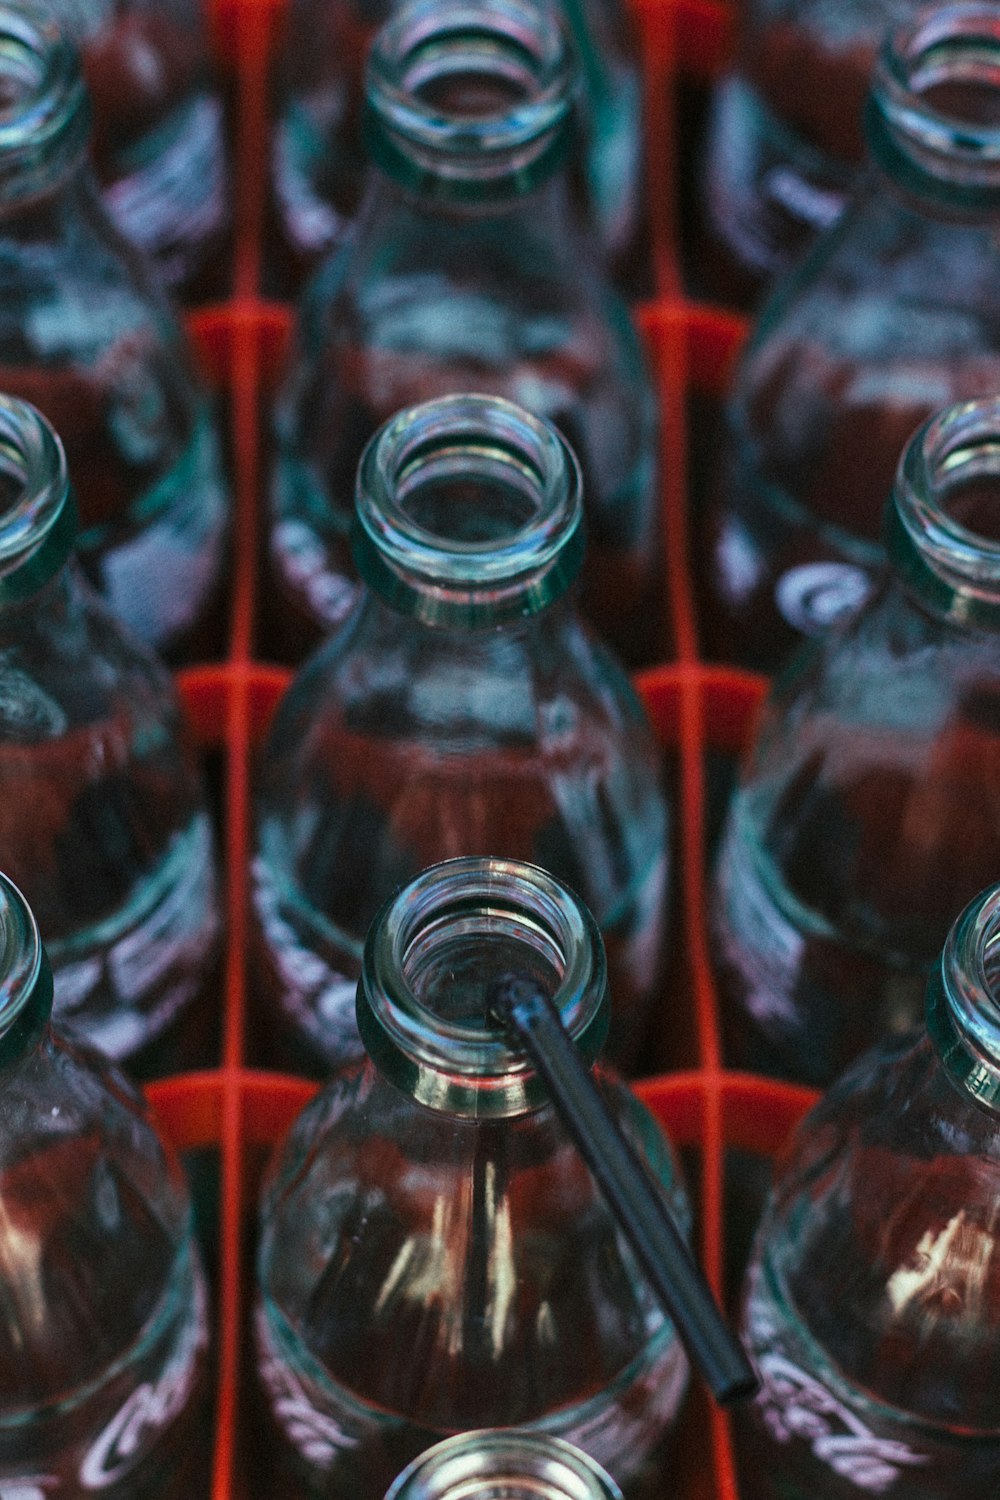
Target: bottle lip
{"points": [[518, 1465], [478, 566], [464, 155], [951, 158], [38, 527], [25, 976], [963, 1000], [954, 569], [45, 114], [454, 1064]]}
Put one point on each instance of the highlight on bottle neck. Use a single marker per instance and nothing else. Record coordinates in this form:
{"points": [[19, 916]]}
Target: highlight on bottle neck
{"points": [[470, 101], [25, 975], [431, 959], [504, 1465], [963, 1000], [44, 106], [933, 112], [943, 521], [469, 512], [37, 513]]}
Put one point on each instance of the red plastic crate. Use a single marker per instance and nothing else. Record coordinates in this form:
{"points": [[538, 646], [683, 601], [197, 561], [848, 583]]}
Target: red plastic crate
{"points": [[694, 707]]}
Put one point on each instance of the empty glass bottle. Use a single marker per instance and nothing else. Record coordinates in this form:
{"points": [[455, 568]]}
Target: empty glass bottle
{"points": [[434, 1254], [103, 1320], [159, 143], [102, 818], [872, 1300], [869, 810], [86, 336], [318, 156], [516, 1465], [896, 313], [785, 138], [467, 272], [462, 708]]}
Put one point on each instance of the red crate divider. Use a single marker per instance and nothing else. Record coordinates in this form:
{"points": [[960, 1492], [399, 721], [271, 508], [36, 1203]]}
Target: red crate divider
{"points": [[693, 705]]}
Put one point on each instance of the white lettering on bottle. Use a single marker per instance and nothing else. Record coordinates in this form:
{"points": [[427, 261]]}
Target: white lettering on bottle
{"points": [[151, 1407], [30, 1487], [315, 1434], [814, 596]]}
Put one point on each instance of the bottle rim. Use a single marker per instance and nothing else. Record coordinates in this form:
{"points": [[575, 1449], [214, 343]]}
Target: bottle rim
{"points": [[468, 563], [932, 150], [464, 1066], [954, 569], [454, 154], [38, 524], [45, 109], [516, 1465], [963, 1000], [26, 987]]}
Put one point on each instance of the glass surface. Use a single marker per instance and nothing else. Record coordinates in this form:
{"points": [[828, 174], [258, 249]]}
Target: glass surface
{"points": [[87, 338], [503, 1466], [893, 315], [158, 144], [785, 138], [318, 157], [103, 1317], [430, 1268], [462, 708], [467, 272], [867, 812]]}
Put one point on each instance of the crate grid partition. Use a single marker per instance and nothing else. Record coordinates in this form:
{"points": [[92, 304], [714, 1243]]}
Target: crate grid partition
{"points": [[238, 1110]]}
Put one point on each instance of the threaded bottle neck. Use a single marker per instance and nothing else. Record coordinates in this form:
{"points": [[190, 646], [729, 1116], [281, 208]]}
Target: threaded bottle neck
{"points": [[943, 520], [933, 111], [44, 107], [963, 1000], [468, 513], [504, 1466], [469, 101], [37, 512], [25, 976], [431, 957]]}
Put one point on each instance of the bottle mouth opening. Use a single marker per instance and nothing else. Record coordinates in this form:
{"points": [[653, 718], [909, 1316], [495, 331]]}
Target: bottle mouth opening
{"points": [[44, 117], [473, 91], [432, 955], [947, 501], [963, 1010], [468, 510], [37, 515], [23, 967], [934, 106], [497, 1465]]}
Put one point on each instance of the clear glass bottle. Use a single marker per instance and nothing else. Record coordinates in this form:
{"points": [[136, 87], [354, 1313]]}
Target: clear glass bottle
{"points": [[869, 808], [462, 708], [103, 821], [86, 336], [159, 141], [515, 1465], [103, 1318], [872, 1301], [894, 314], [467, 272], [434, 1254], [785, 141], [318, 156]]}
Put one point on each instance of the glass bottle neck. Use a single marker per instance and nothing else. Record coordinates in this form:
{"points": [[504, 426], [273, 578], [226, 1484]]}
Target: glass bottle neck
{"points": [[468, 513], [504, 1465], [943, 519], [44, 110], [25, 977], [963, 1001], [431, 958], [933, 112], [469, 103]]}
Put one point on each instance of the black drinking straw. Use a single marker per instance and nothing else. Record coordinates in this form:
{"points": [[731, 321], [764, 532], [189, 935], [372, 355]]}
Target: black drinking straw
{"points": [[622, 1176]]}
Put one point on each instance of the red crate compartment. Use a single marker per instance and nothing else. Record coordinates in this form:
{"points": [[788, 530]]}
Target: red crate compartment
{"points": [[697, 708]]}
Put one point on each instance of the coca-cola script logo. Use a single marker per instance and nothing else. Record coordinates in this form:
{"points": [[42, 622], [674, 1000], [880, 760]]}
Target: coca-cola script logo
{"points": [[795, 1405], [151, 1405], [30, 1487], [317, 1436]]}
